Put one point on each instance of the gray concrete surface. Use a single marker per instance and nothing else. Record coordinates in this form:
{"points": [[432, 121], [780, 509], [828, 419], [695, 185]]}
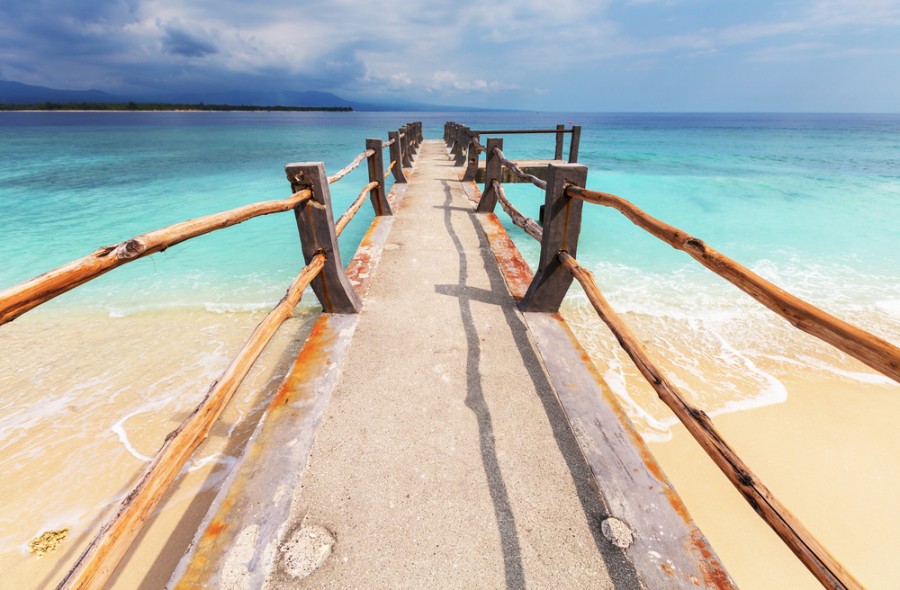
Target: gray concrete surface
{"points": [[443, 459]]}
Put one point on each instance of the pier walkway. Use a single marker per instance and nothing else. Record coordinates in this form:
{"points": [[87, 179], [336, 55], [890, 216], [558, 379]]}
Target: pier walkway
{"points": [[443, 458], [423, 443]]}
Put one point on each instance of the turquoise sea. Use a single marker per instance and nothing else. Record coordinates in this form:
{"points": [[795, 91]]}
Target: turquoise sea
{"points": [[809, 201], [783, 193]]}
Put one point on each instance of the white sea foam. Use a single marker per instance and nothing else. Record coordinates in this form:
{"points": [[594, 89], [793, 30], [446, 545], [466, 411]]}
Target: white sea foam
{"points": [[119, 429]]}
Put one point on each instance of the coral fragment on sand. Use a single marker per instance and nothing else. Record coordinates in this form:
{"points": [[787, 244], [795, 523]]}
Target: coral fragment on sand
{"points": [[47, 542]]}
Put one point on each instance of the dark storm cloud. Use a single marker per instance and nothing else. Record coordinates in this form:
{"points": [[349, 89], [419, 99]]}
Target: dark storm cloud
{"points": [[180, 42], [55, 27]]}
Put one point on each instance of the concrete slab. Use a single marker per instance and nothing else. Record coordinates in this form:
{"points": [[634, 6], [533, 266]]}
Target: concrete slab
{"points": [[443, 458]]}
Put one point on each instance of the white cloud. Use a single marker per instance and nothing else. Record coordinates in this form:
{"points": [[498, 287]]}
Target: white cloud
{"points": [[443, 80]]}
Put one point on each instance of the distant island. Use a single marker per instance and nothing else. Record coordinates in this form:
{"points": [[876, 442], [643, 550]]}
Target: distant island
{"points": [[157, 106]]}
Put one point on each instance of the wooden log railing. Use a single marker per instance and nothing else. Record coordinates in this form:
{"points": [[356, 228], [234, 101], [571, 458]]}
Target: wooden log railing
{"points": [[103, 554], [460, 139], [805, 546], [16, 300], [311, 204], [861, 345], [518, 172], [349, 167], [21, 298], [558, 267]]}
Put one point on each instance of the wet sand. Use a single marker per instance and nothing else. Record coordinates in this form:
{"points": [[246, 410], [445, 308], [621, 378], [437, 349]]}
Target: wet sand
{"points": [[829, 453], [823, 437], [88, 399]]}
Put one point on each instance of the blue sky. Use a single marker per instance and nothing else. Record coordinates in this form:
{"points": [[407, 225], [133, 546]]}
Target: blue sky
{"points": [[554, 55]]}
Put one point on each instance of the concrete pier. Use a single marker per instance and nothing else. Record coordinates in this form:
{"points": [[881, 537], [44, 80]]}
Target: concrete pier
{"points": [[430, 441]]}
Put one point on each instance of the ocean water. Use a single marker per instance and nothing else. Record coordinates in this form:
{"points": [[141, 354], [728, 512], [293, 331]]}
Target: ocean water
{"points": [[810, 202]]}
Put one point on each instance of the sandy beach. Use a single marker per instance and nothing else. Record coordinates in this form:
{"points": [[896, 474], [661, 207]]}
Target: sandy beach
{"points": [[90, 400], [817, 427]]}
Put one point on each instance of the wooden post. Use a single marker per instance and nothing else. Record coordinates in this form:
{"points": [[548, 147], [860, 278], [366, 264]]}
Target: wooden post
{"points": [[411, 140], [559, 142], [404, 145], [454, 133], [472, 167], [573, 146], [315, 222], [458, 140], [465, 138], [493, 170], [562, 224], [376, 174], [396, 156]]}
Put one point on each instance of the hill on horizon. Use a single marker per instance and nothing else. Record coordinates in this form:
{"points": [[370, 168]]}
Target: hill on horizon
{"points": [[12, 92]]}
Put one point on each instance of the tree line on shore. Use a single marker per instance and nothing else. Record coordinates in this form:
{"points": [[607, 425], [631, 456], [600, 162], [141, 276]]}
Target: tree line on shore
{"points": [[154, 106]]}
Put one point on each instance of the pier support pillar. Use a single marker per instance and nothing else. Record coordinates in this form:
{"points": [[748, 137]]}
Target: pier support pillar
{"points": [[562, 225], [315, 222]]}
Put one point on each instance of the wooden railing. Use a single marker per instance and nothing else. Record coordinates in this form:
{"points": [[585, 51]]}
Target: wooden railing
{"points": [[465, 146], [564, 194], [323, 270]]}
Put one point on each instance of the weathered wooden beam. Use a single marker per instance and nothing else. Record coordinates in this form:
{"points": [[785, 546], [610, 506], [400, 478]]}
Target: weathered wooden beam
{"points": [[875, 352], [520, 174], [18, 299], [378, 194], [562, 225], [533, 168], [101, 557], [352, 210], [530, 226], [493, 171], [315, 223], [804, 545], [349, 167]]}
